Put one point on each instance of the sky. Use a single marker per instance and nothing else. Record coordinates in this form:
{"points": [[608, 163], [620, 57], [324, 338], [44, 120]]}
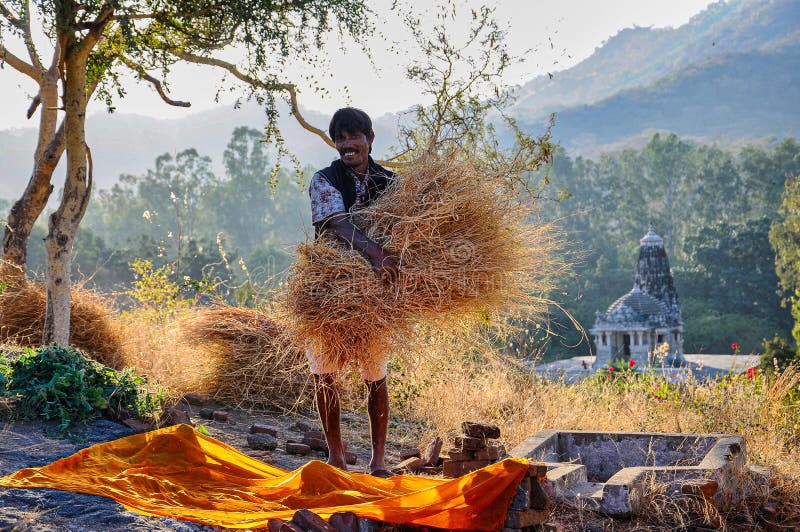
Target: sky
{"points": [[575, 28]]}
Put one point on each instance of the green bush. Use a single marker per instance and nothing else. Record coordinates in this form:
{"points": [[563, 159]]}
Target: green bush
{"points": [[60, 383], [778, 352]]}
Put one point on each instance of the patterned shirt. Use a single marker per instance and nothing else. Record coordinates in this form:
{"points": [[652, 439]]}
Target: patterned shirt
{"points": [[326, 200]]}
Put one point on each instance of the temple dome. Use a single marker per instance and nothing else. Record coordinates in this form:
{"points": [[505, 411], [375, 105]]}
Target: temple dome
{"points": [[637, 307], [651, 239]]}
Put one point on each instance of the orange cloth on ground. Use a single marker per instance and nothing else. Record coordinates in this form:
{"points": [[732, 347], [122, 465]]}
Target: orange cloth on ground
{"points": [[178, 472]]}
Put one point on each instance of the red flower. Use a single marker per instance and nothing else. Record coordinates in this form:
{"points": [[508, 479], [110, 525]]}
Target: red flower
{"points": [[751, 372], [610, 369], [631, 363], [735, 346]]}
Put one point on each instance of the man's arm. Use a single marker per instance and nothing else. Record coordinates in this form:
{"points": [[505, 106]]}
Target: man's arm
{"points": [[385, 265]]}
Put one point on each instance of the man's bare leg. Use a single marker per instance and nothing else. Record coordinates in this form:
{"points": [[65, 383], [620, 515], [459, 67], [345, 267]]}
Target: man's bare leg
{"points": [[378, 409], [327, 399]]}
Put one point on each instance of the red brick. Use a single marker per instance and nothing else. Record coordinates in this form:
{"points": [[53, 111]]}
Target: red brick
{"points": [[410, 465], [700, 487], [480, 430], [297, 448], [258, 428], [431, 454], [493, 452], [452, 469], [316, 444], [468, 443], [459, 456], [405, 454], [526, 518]]}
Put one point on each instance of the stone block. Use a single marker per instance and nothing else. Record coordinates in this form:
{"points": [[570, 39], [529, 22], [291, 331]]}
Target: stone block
{"points": [[526, 518], [344, 522], [262, 442], [700, 487], [297, 448], [258, 428], [411, 465], [311, 522], [492, 452], [480, 430], [431, 454], [452, 469], [350, 458], [220, 415], [206, 413], [540, 500], [318, 434], [405, 454], [469, 443]]}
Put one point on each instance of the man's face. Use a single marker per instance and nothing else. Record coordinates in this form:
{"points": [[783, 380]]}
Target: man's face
{"points": [[353, 149]]}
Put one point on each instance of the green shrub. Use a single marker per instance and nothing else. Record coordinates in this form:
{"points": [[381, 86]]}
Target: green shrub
{"points": [[778, 352], [60, 383]]}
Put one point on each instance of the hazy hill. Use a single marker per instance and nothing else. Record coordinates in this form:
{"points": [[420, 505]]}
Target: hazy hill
{"points": [[126, 143], [637, 57], [735, 96]]}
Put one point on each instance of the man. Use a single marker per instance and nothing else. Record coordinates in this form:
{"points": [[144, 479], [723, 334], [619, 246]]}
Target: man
{"points": [[351, 183]]}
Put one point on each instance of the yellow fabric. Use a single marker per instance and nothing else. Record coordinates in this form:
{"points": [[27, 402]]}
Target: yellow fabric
{"points": [[178, 472]]}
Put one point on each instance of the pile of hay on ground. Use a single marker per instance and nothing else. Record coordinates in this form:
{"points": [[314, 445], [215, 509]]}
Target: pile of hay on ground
{"points": [[254, 365], [93, 329], [470, 252]]}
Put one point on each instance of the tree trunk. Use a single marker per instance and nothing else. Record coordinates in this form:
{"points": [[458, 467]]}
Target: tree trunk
{"points": [[65, 221], [29, 206]]}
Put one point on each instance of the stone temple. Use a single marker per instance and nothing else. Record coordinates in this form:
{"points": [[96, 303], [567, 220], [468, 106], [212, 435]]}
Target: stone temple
{"points": [[645, 324]]}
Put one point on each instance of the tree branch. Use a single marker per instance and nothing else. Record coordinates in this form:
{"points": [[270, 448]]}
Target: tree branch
{"points": [[19, 64], [34, 105], [27, 37], [9, 16], [285, 87], [153, 81]]}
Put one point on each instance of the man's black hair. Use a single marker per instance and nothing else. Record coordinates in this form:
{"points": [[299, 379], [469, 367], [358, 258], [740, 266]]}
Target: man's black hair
{"points": [[351, 120]]}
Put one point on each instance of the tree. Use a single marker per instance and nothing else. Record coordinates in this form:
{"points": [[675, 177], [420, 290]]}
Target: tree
{"points": [[785, 239], [91, 42]]}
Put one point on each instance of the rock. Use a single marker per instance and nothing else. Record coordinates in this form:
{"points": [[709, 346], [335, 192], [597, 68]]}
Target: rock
{"points": [[175, 416], [318, 434], [316, 444], [480, 430], [195, 399], [457, 455], [206, 413], [297, 448], [302, 426], [526, 518], [700, 487], [350, 458], [220, 415], [258, 428], [311, 522], [276, 525], [344, 522], [432, 451], [137, 425], [262, 442]]}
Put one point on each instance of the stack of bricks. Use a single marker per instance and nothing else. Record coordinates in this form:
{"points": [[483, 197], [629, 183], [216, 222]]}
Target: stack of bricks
{"points": [[531, 507], [475, 448]]}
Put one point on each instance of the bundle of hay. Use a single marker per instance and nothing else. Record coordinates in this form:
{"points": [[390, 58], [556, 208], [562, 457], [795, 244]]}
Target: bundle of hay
{"points": [[93, 328], [470, 253], [254, 365]]}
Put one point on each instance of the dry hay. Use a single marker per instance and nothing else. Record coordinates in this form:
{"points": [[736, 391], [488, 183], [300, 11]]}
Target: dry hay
{"points": [[93, 329], [470, 250], [254, 365]]}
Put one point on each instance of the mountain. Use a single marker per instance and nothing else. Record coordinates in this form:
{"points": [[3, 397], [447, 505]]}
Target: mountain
{"points": [[638, 57], [124, 143], [729, 75]]}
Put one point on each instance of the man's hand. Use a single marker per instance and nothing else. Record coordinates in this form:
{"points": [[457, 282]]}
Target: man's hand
{"points": [[385, 265]]}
